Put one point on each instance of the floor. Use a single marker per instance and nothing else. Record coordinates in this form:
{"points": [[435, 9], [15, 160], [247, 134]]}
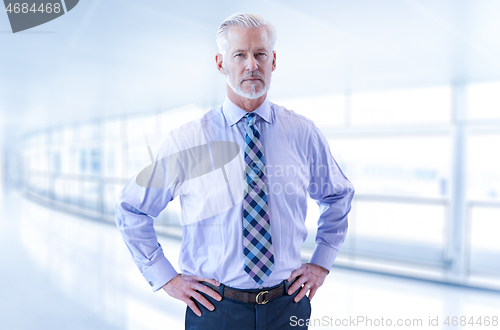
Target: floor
{"points": [[60, 271]]}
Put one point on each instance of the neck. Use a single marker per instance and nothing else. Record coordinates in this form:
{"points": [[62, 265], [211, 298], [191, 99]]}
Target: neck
{"points": [[244, 103]]}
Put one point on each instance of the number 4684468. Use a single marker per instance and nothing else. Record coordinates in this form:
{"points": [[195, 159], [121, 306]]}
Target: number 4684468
{"points": [[25, 8], [485, 321]]}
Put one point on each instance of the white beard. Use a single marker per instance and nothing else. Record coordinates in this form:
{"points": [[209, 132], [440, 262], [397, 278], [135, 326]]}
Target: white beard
{"points": [[251, 95]]}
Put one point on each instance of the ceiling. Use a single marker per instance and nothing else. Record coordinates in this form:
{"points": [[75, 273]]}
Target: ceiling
{"points": [[111, 57]]}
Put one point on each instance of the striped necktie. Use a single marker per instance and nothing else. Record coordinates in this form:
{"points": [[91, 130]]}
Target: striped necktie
{"points": [[257, 244]]}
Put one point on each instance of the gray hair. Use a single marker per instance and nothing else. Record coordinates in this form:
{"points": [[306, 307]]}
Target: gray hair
{"points": [[247, 21]]}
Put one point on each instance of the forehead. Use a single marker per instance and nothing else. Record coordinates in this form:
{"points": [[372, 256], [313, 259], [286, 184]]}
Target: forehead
{"points": [[247, 38]]}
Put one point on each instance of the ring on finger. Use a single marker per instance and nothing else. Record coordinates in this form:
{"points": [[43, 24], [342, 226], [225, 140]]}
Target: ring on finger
{"points": [[307, 285]]}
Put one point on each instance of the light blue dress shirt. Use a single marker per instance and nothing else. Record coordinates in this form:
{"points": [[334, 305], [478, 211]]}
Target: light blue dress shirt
{"points": [[298, 162]]}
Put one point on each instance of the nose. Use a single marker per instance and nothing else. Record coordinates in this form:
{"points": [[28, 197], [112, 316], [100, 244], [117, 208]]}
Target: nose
{"points": [[251, 64]]}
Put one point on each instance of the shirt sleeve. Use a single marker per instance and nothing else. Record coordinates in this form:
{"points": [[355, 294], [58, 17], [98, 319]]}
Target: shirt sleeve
{"points": [[333, 193], [142, 199]]}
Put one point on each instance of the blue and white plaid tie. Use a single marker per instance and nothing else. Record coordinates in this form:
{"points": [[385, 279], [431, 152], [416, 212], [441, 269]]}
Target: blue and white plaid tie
{"points": [[257, 243]]}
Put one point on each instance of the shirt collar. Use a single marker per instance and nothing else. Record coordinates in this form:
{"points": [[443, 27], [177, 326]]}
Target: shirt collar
{"points": [[233, 113]]}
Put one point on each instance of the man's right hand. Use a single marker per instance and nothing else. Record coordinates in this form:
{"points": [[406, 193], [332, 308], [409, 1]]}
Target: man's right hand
{"points": [[185, 287]]}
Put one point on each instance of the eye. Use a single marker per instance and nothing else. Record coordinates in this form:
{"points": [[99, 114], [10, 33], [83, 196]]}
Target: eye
{"points": [[238, 55]]}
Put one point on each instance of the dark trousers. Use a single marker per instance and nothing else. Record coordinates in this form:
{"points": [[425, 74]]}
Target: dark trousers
{"points": [[231, 314]]}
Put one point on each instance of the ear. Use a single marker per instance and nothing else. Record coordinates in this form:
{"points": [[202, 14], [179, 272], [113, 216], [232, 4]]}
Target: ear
{"points": [[218, 63], [274, 61]]}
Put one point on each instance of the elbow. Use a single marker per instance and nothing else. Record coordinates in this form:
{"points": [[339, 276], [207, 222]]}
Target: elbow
{"points": [[351, 190], [125, 214], [346, 189]]}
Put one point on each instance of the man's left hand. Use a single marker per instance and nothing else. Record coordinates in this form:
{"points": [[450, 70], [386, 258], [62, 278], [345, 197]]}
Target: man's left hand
{"points": [[310, 277]]}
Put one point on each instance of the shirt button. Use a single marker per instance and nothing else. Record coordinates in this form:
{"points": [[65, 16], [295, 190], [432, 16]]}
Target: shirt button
{"points": [[150, 283]]}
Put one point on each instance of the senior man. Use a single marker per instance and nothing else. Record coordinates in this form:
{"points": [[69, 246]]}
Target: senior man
{"points": [[243, 219]]}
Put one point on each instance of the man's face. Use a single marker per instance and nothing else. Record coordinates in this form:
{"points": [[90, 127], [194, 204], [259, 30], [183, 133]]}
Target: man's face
{"points": [[248, 61]]}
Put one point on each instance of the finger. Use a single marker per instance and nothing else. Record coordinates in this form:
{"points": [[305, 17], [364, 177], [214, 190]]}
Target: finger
{"points": [[209, 291], [211, 281], [296, 273], [202, 300], [296, 285], [312, 292], [301, 294], [193, 306]]}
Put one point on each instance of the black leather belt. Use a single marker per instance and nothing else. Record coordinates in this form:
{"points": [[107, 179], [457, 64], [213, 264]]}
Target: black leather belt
{"points": [[261, 298]]}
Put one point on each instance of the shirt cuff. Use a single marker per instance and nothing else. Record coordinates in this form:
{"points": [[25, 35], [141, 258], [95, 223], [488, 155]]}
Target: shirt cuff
{"points": [[323, 256], [159, 274]]}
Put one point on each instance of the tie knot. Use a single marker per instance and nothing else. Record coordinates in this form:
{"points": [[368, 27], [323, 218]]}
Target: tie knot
{"points": [[251, 118]]}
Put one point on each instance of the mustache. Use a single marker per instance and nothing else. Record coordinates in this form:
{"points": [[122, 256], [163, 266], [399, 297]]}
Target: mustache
{"points": [[252, 74]]}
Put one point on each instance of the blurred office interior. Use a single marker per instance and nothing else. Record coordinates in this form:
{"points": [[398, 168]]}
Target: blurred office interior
{"points": [[406, 92]]}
